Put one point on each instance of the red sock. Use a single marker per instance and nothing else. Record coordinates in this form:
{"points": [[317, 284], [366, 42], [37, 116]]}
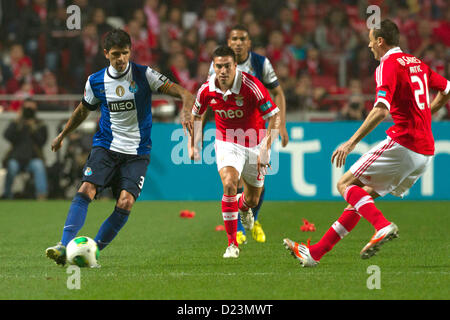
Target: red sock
{"points": [[230, 216], [346, 222], [363, 203], [242, 204]]}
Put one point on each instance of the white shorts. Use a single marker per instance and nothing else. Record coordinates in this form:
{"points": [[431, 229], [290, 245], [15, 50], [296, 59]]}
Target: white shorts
{"points": [[390, 168], [243, 159]]}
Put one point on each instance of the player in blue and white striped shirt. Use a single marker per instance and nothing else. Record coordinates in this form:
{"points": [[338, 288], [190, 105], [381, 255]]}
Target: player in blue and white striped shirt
{"points": [[121, 147]]}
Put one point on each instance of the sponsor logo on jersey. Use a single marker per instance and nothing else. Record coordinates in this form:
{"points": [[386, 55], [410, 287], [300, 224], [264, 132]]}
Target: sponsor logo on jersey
{"points": [[266, 106], [382, 93], [120, 91], [119, 106], [230, 114]]}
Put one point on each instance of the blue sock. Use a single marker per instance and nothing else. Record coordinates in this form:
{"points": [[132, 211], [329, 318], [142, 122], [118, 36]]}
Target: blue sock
{"points": [[111, 227], [75, 217], [261, 200]]}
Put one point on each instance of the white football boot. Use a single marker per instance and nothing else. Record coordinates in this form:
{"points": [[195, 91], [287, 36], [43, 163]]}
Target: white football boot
{"points": [[380, 237], [231, 252], [300, 252]]}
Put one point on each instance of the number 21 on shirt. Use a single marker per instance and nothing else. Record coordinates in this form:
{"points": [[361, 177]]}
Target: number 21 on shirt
{"points": [[423, 89]]}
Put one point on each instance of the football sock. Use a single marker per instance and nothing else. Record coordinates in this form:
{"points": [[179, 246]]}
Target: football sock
{"points": [[261, 200], [242, 205], [230, 217], [111, 226], [75, 217], [240, 227], [346, 222], [363, 203]]}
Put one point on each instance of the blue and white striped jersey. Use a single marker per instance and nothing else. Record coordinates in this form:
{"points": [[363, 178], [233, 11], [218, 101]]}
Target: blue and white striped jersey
{"points": [[259, 67], [125, 102]]}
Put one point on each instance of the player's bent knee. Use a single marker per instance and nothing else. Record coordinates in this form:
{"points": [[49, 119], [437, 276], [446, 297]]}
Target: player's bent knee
{"points": [[88, 189], [125, 201], [229, 186]]}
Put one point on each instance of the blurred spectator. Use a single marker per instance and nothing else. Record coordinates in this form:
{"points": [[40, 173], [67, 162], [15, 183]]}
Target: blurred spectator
{"points": [[99, 19], [206, 50], [299, 50], [303, 93], [209, 27], [91, 47], [153, 21], [171, 29], [288, 24], [288, 84], [180, 72], [354, 108], [141, 52], [442, 31], [27, 135], [278, 52]]}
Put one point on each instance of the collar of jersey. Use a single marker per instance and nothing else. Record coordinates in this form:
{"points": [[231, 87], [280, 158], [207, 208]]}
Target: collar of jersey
{"points": [[110, 74], [235, 88], [389, 52]]}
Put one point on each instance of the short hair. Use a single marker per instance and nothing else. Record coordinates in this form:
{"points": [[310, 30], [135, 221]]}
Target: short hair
{"points": [[116, 37], [224, 51], [389, 32], [239, 27]]}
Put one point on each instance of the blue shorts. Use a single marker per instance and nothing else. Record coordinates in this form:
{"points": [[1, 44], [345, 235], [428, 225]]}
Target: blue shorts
{"points": [[105, 168]]}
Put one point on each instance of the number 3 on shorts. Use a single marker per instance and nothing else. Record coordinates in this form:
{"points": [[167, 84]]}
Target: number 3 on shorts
{"points": [[141, 182]]}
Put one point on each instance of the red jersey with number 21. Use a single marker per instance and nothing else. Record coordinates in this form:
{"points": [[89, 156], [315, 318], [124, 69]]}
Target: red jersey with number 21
{"points": [[403, 83]]}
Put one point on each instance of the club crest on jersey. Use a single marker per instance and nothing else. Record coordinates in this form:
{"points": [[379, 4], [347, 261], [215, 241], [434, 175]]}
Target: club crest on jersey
{"points": [[120, 91], [133, 87], [239, 100], [88, 172]]}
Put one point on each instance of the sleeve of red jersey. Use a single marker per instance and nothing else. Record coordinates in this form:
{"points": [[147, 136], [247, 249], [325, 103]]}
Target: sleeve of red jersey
{"points": [[438, 82], [200, 106], [386, 79], [264, 102]]}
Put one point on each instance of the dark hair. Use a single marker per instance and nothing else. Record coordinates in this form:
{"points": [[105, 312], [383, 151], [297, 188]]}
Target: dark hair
{"points": [[116, 37], [224, 51], [239, 27], [388, 31]]}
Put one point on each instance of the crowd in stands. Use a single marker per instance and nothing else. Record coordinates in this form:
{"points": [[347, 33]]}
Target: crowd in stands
{"points": [[318, 48]]}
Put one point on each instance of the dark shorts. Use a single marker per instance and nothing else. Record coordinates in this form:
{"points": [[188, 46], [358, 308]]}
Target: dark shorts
{"points": [[105, 168]]}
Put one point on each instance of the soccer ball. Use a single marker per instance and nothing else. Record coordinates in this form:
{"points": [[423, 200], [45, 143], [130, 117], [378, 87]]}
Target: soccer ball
{"points": [[83, 252]]}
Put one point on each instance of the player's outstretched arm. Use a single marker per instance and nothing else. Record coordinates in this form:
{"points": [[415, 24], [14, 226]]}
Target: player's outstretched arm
{"points": [[280, 101], [78, 116], [439, 101], [374, 118], [188, 99]]}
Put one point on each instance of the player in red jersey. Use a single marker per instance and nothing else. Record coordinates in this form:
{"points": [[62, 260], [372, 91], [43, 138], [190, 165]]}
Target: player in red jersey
{"points": [[239, 101], [395, 164]]}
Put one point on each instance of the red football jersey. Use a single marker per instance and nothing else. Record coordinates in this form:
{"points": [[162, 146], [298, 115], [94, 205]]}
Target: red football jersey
{"points": [[403, 83], [240, 112]]}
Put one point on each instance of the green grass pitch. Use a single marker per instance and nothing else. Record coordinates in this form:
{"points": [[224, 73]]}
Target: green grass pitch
{"points": [[159, 255]]}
